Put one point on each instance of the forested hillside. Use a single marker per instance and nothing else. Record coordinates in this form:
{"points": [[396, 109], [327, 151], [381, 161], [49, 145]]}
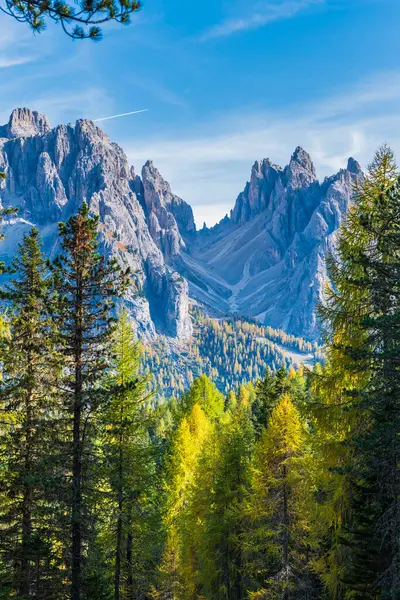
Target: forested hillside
{"points": [[283, 485], [231, 351]]}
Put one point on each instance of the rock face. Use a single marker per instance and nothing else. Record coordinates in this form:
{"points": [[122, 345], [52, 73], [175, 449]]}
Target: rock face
{"points": [[50, 172], [170, 218], [267, 261], [25, 123]]}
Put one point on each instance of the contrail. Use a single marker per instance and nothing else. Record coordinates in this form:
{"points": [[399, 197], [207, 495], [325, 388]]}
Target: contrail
{"points": [[134, 112]]}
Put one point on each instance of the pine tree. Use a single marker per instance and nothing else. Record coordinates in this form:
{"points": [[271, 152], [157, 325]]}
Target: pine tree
{"points": [[85, 289], [78, 24], [27, 395], [363, 317], [268, 391]]}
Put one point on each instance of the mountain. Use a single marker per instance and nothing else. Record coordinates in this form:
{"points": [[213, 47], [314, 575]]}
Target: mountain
{"points": [[266, 261], [50, 172]]}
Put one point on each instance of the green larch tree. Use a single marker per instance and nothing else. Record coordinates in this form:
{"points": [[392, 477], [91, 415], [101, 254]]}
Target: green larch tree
{"points": [[278, 509], [178, 568], [128, 455], [220, 491]]}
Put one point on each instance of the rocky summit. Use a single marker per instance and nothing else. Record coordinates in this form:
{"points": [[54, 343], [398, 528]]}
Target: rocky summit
{"points": [[265, 261], [50, 172]]}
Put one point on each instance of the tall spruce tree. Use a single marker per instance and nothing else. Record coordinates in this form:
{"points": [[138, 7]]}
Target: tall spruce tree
{"points": [[268, 391], [363, 318], [128, 456], [85, 290], [27, 396]]}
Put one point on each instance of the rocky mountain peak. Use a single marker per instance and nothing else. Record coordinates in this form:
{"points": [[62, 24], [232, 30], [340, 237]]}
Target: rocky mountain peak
{"points": [[48, 176], [303, 159], [354, 167], [268, 181], [256, 169], [24, 122], [268, 260]]}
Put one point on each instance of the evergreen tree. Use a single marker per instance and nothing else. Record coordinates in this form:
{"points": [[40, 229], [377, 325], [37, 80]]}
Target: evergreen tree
{"points": [[78, 24], [128, 455], [85, 289], [218, 502], [363, 318], [27, 396], [268, 391]]}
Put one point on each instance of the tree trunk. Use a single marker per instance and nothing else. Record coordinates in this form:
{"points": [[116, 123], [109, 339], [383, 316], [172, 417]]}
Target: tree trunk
{"points": [[285, 534], [77, 494], [27, 504], [117, 577], [77, 451], [129, 558]]}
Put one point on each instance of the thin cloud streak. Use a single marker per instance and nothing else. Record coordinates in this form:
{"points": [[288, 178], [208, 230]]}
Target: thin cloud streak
{"points": [[133, 112], [5, 62], [263, 13]]}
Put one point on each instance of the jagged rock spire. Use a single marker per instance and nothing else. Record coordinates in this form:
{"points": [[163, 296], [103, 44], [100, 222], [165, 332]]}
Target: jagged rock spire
{"points": [[302, 158], [24, 122]]}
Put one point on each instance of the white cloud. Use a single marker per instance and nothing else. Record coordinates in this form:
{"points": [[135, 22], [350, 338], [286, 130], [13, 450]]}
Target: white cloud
{"points": [[261, 13], [6, 62], [210, 167], [15, 40]]}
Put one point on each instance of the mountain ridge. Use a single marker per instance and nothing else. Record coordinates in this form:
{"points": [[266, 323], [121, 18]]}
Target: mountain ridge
{"points": [[50, 172], [266, 261]]}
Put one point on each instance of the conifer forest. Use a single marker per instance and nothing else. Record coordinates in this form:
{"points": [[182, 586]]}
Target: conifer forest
{"points": [[255, 479]]}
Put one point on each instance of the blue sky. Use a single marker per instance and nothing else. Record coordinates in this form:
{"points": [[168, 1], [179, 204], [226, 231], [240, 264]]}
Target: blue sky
{"points": [[225, 83]]}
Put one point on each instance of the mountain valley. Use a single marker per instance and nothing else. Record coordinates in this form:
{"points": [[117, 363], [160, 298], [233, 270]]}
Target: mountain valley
{"points": [[264, 264]]}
